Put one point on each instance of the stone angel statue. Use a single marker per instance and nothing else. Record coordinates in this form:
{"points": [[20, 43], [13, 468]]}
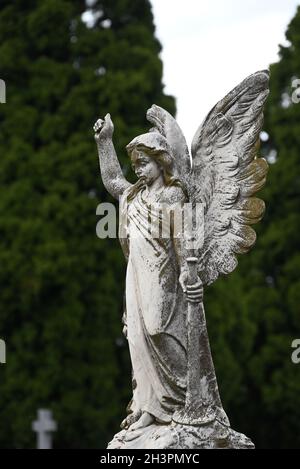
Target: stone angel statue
{"points": [[176, 402]]}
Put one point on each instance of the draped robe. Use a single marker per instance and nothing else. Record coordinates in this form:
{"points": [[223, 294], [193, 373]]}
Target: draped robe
{"points": [[155, 309]]}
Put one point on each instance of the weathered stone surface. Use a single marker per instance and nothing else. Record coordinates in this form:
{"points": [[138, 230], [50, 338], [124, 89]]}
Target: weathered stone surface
{"points": [[176, 401], [174, 436]]}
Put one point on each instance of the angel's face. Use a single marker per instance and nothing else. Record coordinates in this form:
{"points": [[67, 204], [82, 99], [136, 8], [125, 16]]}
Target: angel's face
{"points": [[145, 167]]}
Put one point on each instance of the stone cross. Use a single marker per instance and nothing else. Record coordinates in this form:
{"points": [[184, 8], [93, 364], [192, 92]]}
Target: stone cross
{"points": [[44, 426]]}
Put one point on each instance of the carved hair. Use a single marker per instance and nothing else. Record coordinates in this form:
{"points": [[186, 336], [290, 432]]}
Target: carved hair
{"points": [[163, 158]]}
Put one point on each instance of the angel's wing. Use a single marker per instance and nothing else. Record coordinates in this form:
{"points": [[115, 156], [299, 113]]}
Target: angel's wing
{"points": [[167, 126], [227, 173]]}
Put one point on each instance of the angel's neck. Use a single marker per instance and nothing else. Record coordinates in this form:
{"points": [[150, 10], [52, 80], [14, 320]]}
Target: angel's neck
{"points": [[156, 185]]}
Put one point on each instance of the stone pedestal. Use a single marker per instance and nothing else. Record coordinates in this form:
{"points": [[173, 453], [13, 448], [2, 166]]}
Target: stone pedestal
{"points": [[176, 436]]}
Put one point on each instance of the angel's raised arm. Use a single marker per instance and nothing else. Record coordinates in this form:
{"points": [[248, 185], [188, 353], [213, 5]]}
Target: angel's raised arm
{"points": [[111, 172]]}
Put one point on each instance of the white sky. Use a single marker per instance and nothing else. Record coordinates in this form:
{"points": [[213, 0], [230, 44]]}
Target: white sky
{"points": [[209, 46]]}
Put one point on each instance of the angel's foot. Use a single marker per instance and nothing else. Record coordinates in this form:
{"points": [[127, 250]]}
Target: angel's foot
{"points": [[131, 419], [136, 429], [144, 421]]}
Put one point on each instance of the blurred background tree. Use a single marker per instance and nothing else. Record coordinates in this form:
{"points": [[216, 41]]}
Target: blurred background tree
{"points": [[61, 287], [254, 314]]}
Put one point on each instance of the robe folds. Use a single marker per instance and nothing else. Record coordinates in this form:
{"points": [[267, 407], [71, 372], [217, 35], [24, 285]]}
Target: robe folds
{"points": [[156, 309]]}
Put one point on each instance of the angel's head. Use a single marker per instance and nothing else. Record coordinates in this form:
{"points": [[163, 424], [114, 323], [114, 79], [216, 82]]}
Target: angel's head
{"points": [[151, 157], [144, 166]]}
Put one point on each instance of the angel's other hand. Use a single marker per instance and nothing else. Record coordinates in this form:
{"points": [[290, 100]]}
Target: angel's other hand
{"points": [[194, 292], [103, 128]]}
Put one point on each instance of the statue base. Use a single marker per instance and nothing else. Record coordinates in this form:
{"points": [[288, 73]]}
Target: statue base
{"points": [[178, 436]]}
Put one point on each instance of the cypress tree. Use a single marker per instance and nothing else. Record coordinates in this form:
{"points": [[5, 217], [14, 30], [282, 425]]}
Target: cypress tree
{"points": [[254, 313], [61, 287]]}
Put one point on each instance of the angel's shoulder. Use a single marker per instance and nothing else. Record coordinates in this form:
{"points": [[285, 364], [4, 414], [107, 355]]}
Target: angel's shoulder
{"points": [[174, 195]]}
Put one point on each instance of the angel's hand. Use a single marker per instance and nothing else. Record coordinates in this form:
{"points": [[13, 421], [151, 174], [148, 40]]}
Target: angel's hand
{"points": [[194, 292], [103, 128]]}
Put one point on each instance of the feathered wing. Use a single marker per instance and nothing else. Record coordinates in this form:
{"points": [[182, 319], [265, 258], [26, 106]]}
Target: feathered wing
{"points": [[167, 126], [227, 173]]}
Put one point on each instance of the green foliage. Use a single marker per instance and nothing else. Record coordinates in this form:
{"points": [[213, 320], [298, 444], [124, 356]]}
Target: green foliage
{"points": [[254, 314], [61, 287]]}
